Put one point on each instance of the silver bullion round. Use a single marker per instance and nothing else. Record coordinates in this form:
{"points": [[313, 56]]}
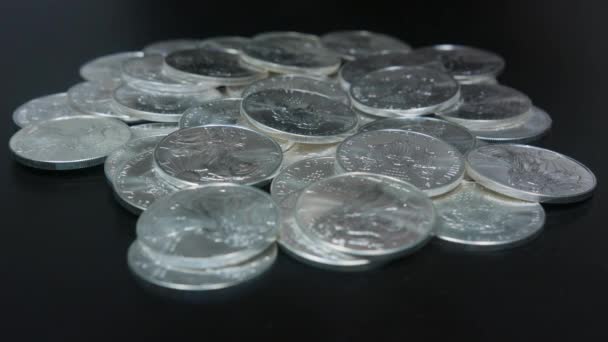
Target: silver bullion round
{"points": [[69, 142], [218, 153], [404, 91], [149, 267], [356, 44], [454, 134], [42, 109], [230, 44], [426, 162], [121, 155], [365, 215], [91, 98], [299, 116], [306, 151], [211, 226], [299, 175], [224, 111], [106, 70], [530, 173], [285, 145], [313, 84], [292, 37], [474, 216], [152, 129], [165, 47], [535, 124], [159, 106]]}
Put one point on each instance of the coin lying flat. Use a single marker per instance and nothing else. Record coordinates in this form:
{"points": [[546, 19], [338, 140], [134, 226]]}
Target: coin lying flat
{"points": [[43, 108], [285, 145], [149, 267], [535, 124], [356, 44], [452, 133], [152, 129], [299, 175], [91, 98], [404, 91], [428, 163], [218, 153], [69, 142], [224, 111], [313, 84], [292, 37], [299, 116], [165, 47], [230, 44], [472, 215], [365, 215], [530, 173], [106, 70], [126, 152], [211, 226]]}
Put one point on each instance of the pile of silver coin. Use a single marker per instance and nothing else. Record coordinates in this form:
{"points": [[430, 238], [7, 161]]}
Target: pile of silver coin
{"points": [[371, 149]]}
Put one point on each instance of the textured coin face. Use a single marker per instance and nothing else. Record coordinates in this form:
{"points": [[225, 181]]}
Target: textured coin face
{"points": [[451, 133], [230, 44], [91, 98], [149, 267], [299, 116], [211, 226], [152, 129], [165, 47], [313, 84], [299, 175], [530, 173], [466, 64], [224, 111], [426, 162], [217, 153], [68, 143], [472, 215], [306, 151], [535, 124], [42, 109], [404, 91], [357, 44], [106, 70], [126, 152], [365, 215]]}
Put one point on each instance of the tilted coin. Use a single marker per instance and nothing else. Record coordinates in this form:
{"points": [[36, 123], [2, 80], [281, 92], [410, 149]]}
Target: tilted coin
{"points": [[126, 152], [427, 162], [165, 47], [365, 215], [211, 226], [365, 118], [285, 145], [291, 37], [149, 267], [299, 116], [533, 126], [474, 216], [91, 98], [69, 142], [226, 111], [313, 84], [230, 44], [218, 153], [404, 91], [530, 173], [106, 70], [356, 44], [306, 151], [452, 133], [43, 108], [299, 175], [152, 129]]}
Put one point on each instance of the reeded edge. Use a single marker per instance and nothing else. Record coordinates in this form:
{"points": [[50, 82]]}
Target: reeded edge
{"points": [[181, 124]]}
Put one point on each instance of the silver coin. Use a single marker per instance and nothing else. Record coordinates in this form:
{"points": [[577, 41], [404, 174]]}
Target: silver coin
{"points": [[213, 67], [218, 153], [306, 151], [356, 44], [365, 118], [137, 183], [211, 226], [530, 173], [299, 175], [471, 215], [166, 47], [292, 37], [489, 106], [152, 129], [365, 215], [285, 145], [42, 109], [404, 91], [313, 84], [224, 111], [157, 106], [230, 44], [150, 268], [106, 70], [535, 124], [452, 133], [428, 163], [69, 142], [235, 91], [123, 154], [299, 116], [91, 98]]}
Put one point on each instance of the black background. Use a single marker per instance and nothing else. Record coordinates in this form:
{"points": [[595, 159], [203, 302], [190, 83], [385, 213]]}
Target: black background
{"points": [[64, 238]]}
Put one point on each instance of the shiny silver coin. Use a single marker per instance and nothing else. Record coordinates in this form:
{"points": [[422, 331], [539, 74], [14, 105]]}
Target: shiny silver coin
{"points": [[137, 184], [306, 151], [299, 116], [365, 215], [230, 44], [223, 111], [474, 216], [365, 118], [357, 44], [157, 106], [428, 163], [69, 142], [165, 47], [209, 66], [285, 145], [313, 84], [530, 173], [452, 133], [91, 98], [535, 124], [236, 91], [123, 154], [106, 70], [212, 226], [305, 39], [466, 64], [218, 153], [489, 106], [149, 267], [404, 91], [42, 109], [299, 175], [153, 129]]}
